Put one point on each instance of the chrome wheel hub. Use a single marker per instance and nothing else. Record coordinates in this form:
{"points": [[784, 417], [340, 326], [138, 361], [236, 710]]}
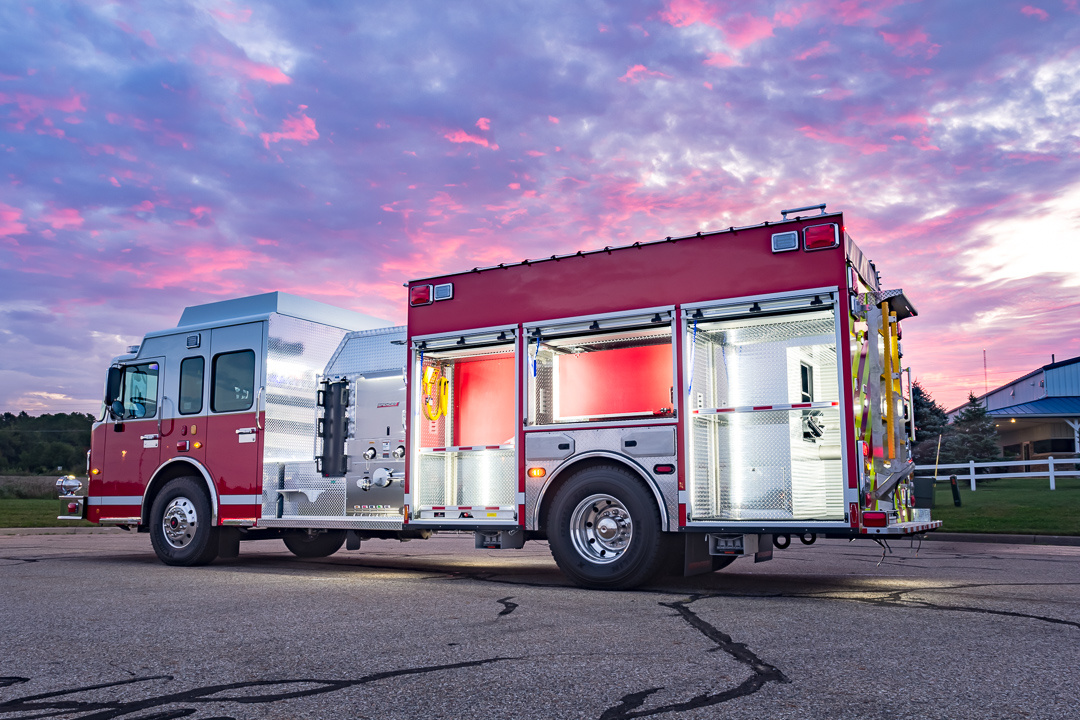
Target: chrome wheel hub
{"points": [[601, 528], [180, 522]]}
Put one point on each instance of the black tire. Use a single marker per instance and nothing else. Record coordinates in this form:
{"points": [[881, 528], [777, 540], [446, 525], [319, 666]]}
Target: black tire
{"points": [[312, 544], [604, 529], [181, 524]]}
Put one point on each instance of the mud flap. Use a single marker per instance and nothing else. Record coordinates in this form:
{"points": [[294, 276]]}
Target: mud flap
{"points": [[765, 548], [228, 543], [696, 559]]}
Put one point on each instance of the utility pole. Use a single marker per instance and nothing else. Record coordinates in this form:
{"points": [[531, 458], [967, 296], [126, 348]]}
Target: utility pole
{"points": [[986, 382]]}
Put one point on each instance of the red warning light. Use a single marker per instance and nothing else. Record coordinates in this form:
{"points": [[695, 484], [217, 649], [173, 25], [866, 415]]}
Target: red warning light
{"points": [[419, 295], [820, 237]]}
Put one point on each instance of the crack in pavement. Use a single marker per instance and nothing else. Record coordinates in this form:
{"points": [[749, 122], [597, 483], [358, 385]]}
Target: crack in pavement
{"points": [[56, 704], [762, 672], [508, 607]]}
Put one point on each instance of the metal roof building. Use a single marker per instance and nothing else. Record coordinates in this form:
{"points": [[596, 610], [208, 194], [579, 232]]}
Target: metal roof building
{"points": [[1038, 415]]}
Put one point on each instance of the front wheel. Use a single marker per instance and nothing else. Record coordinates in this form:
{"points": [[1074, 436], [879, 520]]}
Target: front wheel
{"points": [[181, 528], [314, 544], [604, 529]]}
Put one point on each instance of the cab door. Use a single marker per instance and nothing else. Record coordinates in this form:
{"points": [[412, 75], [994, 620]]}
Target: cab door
{"points": [[132, 440], [184, 408], [234, 439]]}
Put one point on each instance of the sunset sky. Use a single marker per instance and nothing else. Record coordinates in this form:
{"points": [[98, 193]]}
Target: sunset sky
{"points": [[155, 155]]}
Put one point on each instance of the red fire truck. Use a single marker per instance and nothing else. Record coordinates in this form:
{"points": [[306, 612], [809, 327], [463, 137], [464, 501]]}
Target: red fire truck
{"points": [[663, 406]]}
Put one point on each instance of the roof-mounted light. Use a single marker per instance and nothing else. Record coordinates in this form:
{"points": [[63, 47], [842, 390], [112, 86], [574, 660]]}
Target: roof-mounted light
{"points": [[419, 295], [821, 237]]}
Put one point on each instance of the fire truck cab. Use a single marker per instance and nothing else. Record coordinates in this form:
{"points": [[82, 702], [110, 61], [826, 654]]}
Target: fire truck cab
{"points": [[664, 406]]}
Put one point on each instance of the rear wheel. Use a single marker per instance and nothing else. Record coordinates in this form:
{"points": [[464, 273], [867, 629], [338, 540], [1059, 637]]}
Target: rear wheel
{"points": [[181, 528], [314, 543], [604, 529]]}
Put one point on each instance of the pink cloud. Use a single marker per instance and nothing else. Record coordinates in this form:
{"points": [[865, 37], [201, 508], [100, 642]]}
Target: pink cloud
{"points": [[29, 107], [718, 59], [484, 123], [535, 153], [63, 219], [818, 50], [1032, 11], [553, 119], [683, 13], [144, 206], [864, 147], [9, 221], [913, 42], [238, 16], [295, 127], [244, 66], [635, 73], [460, 136], [745, 30]]}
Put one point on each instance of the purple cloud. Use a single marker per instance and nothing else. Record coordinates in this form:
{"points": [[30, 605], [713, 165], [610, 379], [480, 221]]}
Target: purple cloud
{"points": [[156, 156]]}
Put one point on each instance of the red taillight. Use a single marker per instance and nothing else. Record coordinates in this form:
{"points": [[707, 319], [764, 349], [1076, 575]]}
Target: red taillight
{"points": [[819, 237], [875, 518], [663, 469], [73, 507], [853, 511], [420, 295]]}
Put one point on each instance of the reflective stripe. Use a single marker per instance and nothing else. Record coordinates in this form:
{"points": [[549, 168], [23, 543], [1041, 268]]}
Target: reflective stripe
{"points": [[684, 497], [115, 500], [240, 499]]}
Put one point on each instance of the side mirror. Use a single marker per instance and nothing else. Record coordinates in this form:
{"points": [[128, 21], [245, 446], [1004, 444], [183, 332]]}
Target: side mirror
{"points": [[117, 410], [112, 385]]}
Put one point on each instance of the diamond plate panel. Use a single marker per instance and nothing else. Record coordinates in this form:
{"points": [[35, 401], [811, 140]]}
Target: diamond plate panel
{"points": [[369, 351], [297, 352], [757, 466], [467, 477], [309, 494]]}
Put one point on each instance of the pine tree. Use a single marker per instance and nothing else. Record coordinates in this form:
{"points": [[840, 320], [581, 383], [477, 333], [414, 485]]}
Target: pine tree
{"points": [[974, 434], [930, 422]]}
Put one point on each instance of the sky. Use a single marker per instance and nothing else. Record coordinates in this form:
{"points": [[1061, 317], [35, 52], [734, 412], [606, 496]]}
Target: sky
{"points": [[160, 154]]}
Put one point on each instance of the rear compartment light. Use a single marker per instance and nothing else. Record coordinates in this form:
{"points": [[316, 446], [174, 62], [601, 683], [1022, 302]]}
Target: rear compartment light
{"points": [[875, 518], [443, 292], [785, 241], [537, 472], [821, 237], [419, 295]]}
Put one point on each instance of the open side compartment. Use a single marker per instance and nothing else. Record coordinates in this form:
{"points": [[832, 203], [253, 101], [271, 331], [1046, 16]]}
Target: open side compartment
{"points": [[765, 441], [464, 428], [618, 370]]}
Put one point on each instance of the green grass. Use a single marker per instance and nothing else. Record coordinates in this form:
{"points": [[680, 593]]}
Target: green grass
{"points": [[34, 512], [1024, 506]]}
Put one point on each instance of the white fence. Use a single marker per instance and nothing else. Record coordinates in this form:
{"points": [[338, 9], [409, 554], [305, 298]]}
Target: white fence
{"points": [[971, 466]]}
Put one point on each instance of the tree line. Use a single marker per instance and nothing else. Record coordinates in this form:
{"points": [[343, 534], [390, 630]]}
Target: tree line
{"points": [[40, 444], [971, 435]]}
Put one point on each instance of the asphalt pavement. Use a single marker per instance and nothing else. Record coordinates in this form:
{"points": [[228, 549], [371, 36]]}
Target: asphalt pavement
{"points": [[95, 627]]}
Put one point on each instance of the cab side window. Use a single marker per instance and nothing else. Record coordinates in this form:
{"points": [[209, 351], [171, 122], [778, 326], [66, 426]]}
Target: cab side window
{"points": [[191, 385], [140, 391], [233, 384]]}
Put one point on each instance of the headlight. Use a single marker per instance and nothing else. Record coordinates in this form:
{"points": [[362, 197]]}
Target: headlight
{"points": [[68, 485]]}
